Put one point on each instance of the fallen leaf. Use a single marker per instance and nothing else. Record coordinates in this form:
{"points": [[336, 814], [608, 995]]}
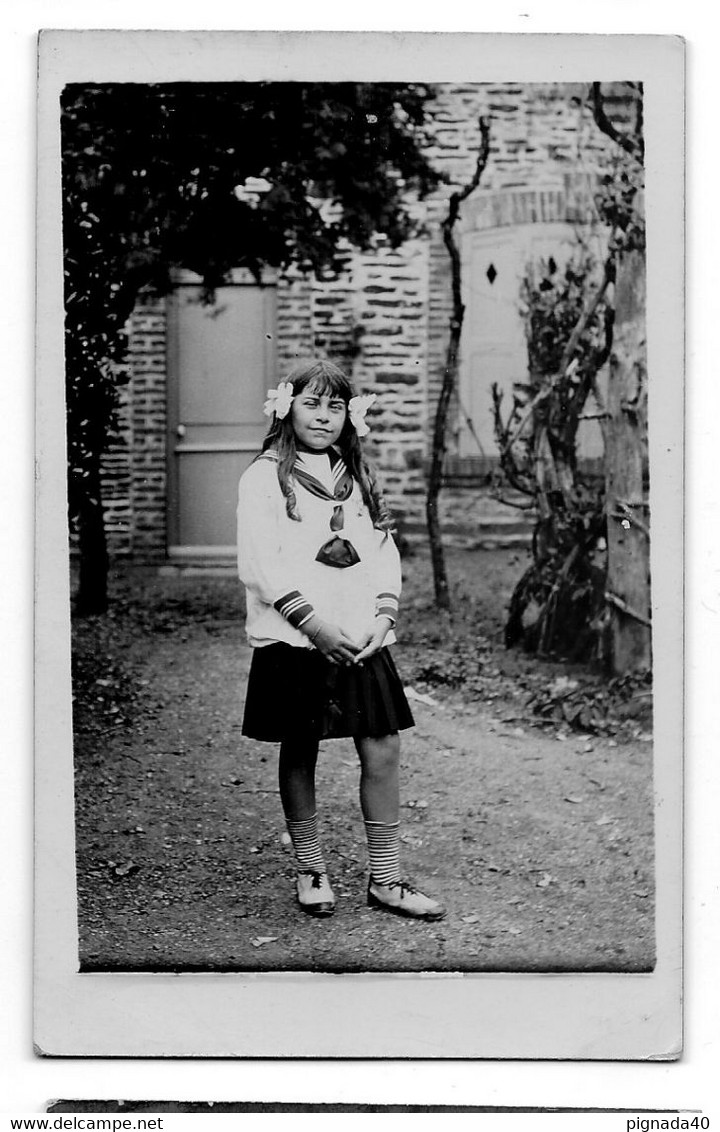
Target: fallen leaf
{"points": [[562, 686], [261, 940], [126, 870]]}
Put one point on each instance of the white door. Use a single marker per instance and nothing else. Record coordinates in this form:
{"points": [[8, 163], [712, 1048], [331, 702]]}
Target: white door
{"points": [[221, 361], [493, 346]]}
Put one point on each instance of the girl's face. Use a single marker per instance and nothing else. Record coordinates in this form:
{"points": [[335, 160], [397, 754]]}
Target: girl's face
{"points": [[317, 418]]}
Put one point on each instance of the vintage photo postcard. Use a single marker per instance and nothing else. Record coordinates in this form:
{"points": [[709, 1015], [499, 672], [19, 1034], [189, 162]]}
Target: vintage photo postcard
{"points": [[359, 545]]}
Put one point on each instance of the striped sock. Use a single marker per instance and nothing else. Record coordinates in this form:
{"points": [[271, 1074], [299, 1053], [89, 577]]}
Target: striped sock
{"points": [[304, 836], [384, 850]]}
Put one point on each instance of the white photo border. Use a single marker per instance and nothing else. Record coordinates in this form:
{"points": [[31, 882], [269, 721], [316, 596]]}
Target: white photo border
{"points": [[551, 1016]]}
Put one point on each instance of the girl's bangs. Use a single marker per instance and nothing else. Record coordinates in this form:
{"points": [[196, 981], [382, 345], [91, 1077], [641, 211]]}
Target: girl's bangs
{"points": [[324, 380], [326, 386]]}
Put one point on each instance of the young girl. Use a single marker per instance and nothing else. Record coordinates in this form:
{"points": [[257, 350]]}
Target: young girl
{"points": [[322, 575]]}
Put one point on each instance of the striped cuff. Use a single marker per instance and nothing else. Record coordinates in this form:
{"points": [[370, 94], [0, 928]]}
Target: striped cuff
{"points": [[294, 608], [386, 605]]}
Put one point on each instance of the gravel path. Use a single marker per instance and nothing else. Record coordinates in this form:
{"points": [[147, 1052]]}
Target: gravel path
{"points": [[540, 847]]}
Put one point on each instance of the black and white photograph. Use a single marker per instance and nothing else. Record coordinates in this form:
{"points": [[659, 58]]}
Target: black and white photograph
{"points": [[360, 493]]}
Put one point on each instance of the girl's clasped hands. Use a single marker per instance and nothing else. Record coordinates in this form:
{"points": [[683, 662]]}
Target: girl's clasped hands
{"points": [[339, 648]]}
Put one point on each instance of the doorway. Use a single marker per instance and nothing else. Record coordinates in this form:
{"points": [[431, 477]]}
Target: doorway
{"points": [[221, 362]]}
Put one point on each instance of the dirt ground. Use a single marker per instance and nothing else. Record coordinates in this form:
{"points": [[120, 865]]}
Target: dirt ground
{"points": [[538, 837]]}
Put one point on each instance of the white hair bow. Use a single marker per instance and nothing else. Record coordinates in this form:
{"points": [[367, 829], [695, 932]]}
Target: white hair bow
{"points": [[357, 408], [279, 400]]}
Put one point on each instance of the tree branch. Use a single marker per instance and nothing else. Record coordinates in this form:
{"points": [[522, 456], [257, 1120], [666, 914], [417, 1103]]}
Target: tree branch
{"points": [[569, 351], [514, 503], [625, 513], [471, 426], [588, 312], [442, 594], [633, 146], [626, 609], [521, 483]]}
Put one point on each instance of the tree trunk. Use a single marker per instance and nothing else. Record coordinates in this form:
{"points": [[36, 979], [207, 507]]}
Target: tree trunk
{"points": [[437, 551], [628, 577], [92, 594], [449, 383]]}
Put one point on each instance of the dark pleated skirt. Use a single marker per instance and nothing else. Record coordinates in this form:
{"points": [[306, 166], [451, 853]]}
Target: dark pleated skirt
{"points": [[297, 692]]}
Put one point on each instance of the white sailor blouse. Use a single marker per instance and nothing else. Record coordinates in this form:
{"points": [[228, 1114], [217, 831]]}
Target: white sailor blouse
{"points": [[333, 562]]}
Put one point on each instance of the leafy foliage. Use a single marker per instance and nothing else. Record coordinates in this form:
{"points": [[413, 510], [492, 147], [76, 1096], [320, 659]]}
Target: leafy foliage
{"points": [[558, 606], [557, 602], [619, 707], [211, 177], [617, 204], [553, 302]]}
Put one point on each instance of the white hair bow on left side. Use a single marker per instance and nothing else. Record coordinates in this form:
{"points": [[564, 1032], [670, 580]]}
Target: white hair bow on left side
{"points": [[279, 400], [357, 408]]}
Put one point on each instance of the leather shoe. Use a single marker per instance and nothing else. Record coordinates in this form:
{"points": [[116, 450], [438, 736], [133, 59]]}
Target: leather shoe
{"points": [[314, 894], [403, 899]]}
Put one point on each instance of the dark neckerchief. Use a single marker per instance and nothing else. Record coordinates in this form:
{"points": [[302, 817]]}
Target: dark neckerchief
{"points": [[342, 480], [338, 551]]}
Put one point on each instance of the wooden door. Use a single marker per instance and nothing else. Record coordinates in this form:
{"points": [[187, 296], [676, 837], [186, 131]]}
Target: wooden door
{"points": [[221, 362]]}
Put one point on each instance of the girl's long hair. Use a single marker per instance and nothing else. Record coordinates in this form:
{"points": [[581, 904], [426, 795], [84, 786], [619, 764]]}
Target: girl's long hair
{"points": [[325, 378]]}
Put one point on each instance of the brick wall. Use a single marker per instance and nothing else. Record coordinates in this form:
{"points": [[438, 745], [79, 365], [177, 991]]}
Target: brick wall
{"points": [[149, 424], [294, 320], [135, 480], [392, 309], [386, 318], [117, 472]]}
